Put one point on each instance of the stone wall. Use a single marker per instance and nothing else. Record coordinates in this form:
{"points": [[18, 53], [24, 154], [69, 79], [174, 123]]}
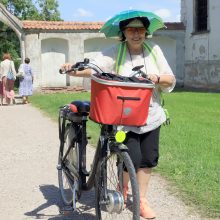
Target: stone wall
{"points": [[202, 49], [203, 75], [48, 51]]}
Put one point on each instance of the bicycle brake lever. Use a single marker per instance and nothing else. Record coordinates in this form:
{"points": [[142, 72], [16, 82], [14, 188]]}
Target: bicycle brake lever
{"points": [[137, 68]]}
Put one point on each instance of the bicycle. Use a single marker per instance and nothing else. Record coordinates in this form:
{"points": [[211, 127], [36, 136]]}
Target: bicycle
{"points": [[110, 161]]}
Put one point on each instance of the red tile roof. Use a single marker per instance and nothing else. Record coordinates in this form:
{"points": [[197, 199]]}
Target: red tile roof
{"points": [[64, 25]]}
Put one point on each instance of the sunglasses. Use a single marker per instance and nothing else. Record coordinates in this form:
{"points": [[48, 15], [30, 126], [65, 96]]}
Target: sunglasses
{"points": [[131, 30]]}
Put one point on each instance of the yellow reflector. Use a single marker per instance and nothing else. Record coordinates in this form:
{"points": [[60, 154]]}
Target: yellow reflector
{"points": [[120, 136]]}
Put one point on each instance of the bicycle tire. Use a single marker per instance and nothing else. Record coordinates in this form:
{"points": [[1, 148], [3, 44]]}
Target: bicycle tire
{"points": [[113, 177], [65, 178]]}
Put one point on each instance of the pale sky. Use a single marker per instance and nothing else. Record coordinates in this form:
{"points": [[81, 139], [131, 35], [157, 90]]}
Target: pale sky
{"points": [[102, 10]]}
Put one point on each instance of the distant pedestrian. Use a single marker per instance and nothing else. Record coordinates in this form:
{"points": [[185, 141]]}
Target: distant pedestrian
{"points": [[26, 82], [7, 78]]}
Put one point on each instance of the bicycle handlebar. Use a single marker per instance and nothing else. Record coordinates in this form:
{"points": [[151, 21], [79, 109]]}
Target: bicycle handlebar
{"points": [[79, 66]]}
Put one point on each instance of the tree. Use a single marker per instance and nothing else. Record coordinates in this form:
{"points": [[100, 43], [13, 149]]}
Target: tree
{"points": [[9, 42], [49, 11], [46, 10], [22, 9]]}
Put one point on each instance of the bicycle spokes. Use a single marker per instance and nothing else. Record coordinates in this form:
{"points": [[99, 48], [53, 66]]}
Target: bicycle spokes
{"points": [[111, 202]]}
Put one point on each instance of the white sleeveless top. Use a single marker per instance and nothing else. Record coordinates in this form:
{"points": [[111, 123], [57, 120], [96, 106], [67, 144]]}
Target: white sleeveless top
{"points": [[106, 61]]}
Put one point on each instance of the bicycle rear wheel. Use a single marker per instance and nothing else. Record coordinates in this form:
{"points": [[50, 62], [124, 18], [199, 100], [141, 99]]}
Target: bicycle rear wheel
{"points": [[67, 181], [110, 196]]}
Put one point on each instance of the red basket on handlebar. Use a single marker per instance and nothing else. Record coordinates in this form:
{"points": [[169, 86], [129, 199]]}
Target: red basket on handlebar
{"points": [[119, 103]]}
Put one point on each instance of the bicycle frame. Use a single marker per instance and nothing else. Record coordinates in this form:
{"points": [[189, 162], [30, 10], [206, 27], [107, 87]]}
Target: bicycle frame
{"points": [[110, 161], [106, 143]]}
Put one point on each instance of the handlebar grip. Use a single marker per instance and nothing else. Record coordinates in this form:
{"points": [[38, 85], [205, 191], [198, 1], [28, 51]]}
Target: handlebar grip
{"points": [[67, 71], [61, 71], [77, 66], [86, 61]]}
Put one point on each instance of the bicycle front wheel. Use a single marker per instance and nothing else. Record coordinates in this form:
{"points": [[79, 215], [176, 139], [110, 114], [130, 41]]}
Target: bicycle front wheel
{"points": [[113, 201]]}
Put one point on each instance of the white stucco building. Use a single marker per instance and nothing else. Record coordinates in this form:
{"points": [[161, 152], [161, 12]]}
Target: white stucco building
{"points": [[202, 43], [50, 44], [192, 46]]}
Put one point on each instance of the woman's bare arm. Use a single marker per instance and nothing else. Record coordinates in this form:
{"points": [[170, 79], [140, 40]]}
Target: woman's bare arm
{"points": [[164, 80], [82, 73]]}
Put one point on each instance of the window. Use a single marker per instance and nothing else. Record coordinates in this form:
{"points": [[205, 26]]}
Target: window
{"points": [[201, 18]]}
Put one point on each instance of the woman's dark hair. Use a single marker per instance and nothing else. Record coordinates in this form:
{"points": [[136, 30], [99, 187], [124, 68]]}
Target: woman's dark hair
{"points": [[123, 24], [27, 60]]}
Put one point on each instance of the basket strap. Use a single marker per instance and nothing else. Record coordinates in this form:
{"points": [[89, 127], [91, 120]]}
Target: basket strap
{"points": [[120, 57], [122, 52], [151, 53]]}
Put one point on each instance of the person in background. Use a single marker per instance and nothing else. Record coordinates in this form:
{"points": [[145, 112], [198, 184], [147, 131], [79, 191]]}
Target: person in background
{"points": [[7, 84], [142, 142], [26, 82], [1, 90]]}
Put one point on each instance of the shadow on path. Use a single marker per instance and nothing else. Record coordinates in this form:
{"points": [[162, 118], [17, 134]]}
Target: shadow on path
{"points": [[85, 207]]}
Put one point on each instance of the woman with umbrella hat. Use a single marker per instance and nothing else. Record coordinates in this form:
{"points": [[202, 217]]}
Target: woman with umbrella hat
{"points": [[133, 27]]}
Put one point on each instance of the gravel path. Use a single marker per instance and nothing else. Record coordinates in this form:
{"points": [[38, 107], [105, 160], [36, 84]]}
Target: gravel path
{"points": [[28, 183]]}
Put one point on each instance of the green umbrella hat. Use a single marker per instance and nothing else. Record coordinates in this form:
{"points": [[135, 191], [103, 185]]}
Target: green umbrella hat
{"points": [[111, 27]]}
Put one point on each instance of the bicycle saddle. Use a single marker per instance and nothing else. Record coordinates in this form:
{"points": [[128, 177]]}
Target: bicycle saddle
{"points": [[80, 106]]}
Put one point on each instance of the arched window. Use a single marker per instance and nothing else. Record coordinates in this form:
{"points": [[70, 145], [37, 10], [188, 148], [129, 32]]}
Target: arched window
{"points": [[201, 15]]}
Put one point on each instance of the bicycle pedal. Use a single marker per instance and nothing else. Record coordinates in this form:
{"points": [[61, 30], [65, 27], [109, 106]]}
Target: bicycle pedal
{"points": [[59, 167], [67, 210], [85, 172]]}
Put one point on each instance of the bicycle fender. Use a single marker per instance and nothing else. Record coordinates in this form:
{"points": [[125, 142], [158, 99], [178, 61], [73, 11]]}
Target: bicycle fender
{"points": [[116, 147], [122, 147]]}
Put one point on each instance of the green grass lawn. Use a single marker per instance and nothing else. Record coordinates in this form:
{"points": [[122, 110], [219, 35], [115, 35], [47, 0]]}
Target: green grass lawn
{"points": [[189, 147]]}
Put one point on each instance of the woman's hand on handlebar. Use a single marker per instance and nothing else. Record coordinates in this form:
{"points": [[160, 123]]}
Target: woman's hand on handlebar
{"points": [[164, 80], [154, 78], [73, 70], [67, 68]]}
